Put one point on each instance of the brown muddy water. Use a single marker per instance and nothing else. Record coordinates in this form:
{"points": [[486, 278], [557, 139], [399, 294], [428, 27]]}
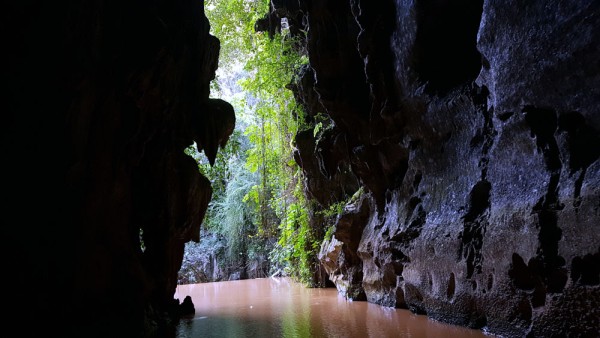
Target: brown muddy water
{"points": [[278, 307]]}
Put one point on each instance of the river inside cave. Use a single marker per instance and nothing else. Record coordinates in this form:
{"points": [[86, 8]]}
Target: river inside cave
{"points": [[278, 307]]}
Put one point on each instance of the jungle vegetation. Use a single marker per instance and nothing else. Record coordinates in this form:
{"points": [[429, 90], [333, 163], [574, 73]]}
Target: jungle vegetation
{"points": [[258, 221]]}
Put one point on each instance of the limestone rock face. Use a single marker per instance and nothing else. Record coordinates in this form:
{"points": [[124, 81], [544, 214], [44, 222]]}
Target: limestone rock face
{"points": [[100, 100], [339, 255], [474, 127]]}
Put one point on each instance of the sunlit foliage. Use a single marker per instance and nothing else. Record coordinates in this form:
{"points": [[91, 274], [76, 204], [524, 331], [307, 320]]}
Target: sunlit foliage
{"points": [[258, 202]]}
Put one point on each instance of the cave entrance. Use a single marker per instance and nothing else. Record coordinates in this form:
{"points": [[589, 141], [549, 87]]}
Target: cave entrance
{"points": [[257, 224]]}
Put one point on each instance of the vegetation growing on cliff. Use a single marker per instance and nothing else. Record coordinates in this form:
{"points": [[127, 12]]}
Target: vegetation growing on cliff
{"points": [[258, 204]]}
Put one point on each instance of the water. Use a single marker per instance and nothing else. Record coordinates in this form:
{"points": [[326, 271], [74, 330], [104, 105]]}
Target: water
{"points": [[277, 307]]}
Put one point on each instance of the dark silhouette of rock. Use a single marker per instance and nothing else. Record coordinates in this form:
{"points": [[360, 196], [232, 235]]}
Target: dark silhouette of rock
{"points": [[214, 129], [101, 98], [186, 307]]}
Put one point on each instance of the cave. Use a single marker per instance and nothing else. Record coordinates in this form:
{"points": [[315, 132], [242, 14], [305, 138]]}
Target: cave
{"points": [[472, 127]]}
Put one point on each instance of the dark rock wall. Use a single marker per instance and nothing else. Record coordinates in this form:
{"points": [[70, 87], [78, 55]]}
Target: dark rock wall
{"points": [[100, 100], [474, 127]]}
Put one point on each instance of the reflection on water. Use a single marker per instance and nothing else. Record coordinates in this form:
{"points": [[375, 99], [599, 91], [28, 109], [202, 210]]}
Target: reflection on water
{"points": [[277, 307]]}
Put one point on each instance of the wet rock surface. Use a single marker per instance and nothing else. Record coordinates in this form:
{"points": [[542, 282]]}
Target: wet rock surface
{"points": [[474, 128]]}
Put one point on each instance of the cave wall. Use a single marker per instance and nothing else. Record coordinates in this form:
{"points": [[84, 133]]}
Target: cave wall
{"points": [[100, 100], [474, 128]]}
